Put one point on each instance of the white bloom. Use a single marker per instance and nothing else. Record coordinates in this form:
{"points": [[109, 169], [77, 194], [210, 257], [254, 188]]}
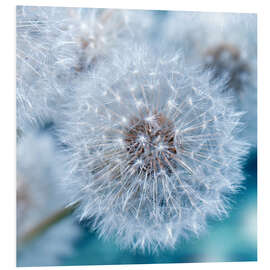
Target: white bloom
{"points": [[53, 46], [36, 29], [226, 43], [153, 149], [87, 35]]}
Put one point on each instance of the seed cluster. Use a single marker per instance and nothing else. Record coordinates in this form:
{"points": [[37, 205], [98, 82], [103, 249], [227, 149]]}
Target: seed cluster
{"points": [[150, 140], [154, 149]]}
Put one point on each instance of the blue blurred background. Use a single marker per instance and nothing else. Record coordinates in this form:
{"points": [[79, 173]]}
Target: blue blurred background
{"points": [[231, 239]]}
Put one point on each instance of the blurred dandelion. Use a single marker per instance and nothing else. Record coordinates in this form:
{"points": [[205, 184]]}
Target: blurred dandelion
{"points": [[35, 31], [52, 46], [225, 43], [88, 34], [153, 149]]}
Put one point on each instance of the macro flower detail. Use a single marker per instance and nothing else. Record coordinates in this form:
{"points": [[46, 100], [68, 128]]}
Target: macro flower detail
{"points": [[36, 31], [147, 138], [153, 149]]}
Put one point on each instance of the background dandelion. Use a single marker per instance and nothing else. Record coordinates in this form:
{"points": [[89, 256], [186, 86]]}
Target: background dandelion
{"points": [[225, 43], [53, 45], [36, 28], [88, 35]]}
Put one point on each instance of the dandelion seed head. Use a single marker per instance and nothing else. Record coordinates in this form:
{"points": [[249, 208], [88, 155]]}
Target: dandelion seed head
{"points": [[37, 91], [32, 61], [89, 36], [230, 51], [54, 44], [155, 177]]}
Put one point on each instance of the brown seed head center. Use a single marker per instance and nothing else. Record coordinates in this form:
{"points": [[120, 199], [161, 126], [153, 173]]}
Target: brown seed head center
{"points": [[150, 142]]}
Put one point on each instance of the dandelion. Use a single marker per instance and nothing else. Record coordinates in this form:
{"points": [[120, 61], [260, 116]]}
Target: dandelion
{"points": [[226, 43], [36, 29], [153, 149], [53, 46], [87, 35], [188, 30]]}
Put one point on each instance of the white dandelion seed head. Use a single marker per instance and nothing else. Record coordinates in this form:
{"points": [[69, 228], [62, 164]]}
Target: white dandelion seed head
{"points": [[230, 50], [54, 45], [36, 32], [189, 29], [87, 35], [158, 175]]}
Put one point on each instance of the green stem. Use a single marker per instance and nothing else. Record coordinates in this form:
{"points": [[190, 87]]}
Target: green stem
{"points": [[46, 224]]}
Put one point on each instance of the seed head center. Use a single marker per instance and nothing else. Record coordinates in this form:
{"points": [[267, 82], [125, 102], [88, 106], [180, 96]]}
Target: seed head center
{"points": [[150, 142]]}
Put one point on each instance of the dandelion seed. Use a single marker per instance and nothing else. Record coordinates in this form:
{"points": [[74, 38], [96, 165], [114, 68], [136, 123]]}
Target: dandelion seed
{"points": [[90, 35], [33, 90]]}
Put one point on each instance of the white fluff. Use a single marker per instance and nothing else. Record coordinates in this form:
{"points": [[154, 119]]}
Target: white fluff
{"points": [[153, 149]]}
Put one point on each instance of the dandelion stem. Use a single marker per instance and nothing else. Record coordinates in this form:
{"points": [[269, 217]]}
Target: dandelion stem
{"points": [[46, 224]]}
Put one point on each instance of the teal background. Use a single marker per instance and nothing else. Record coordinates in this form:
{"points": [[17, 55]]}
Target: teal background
{"points": [[232, 239]]}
